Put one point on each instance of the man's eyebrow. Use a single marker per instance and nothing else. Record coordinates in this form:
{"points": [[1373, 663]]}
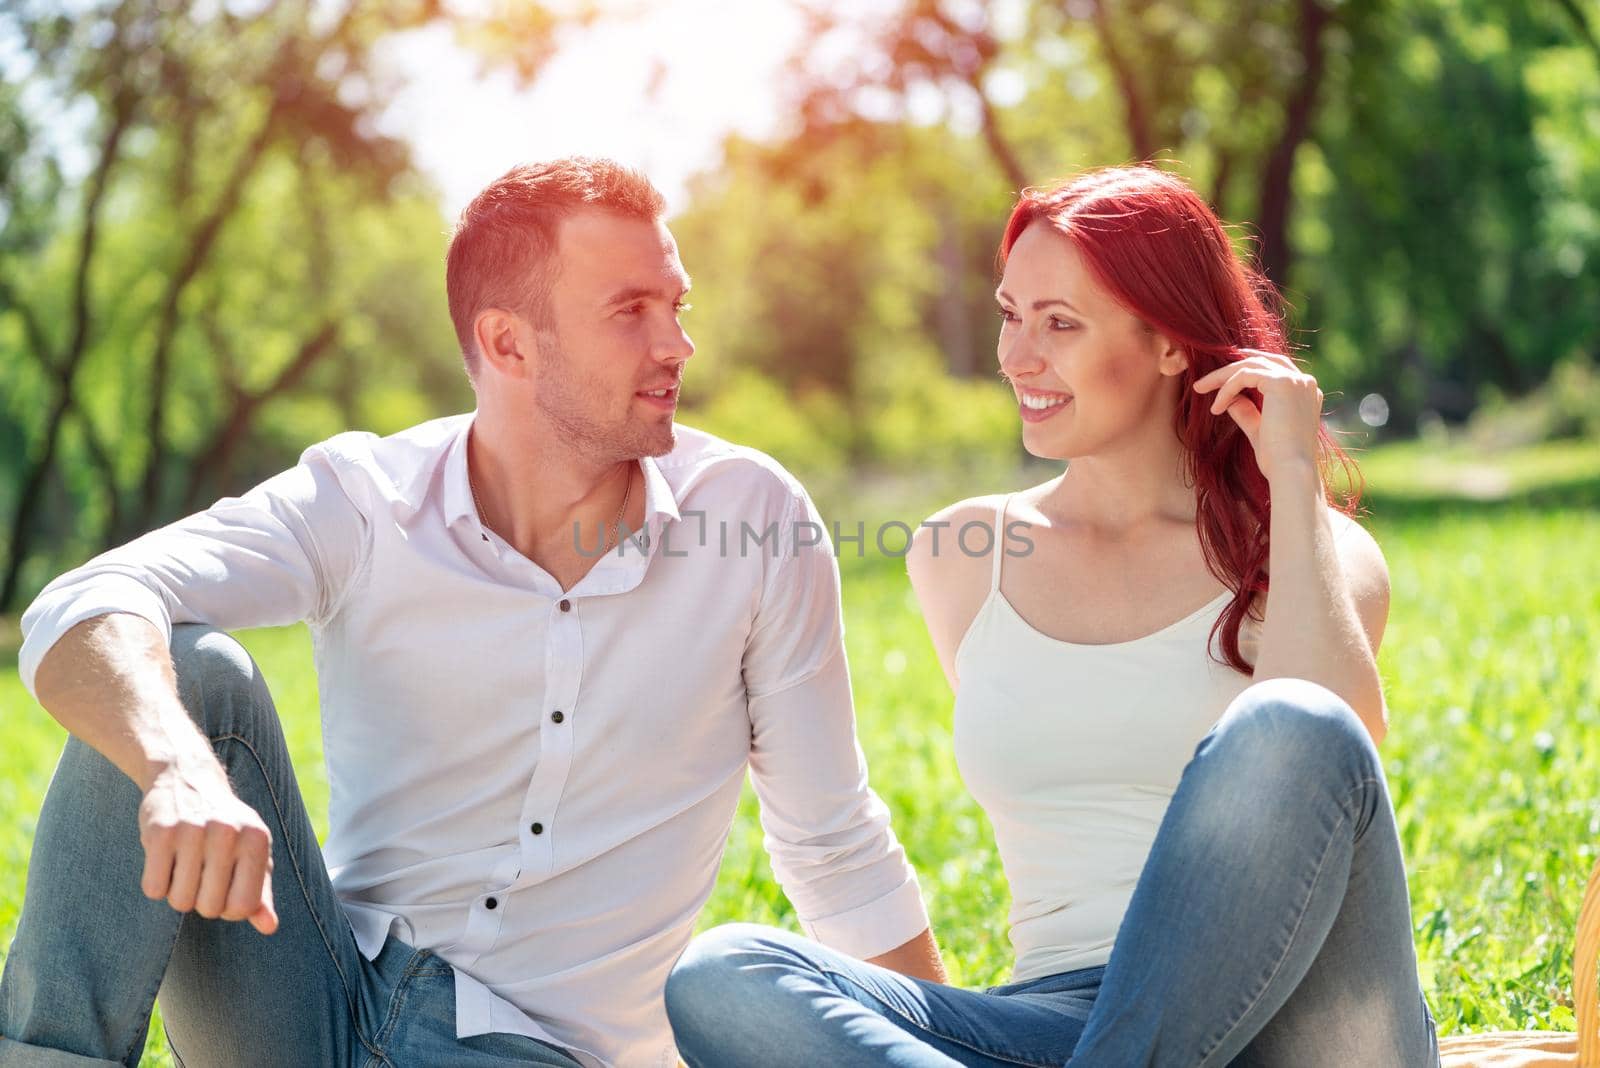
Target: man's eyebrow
{"points": [[1038, 305], [623, 296]]}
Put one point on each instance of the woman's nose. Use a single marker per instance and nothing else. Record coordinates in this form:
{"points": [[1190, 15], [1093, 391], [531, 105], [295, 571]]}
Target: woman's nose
{"points": [[1019, 357]]}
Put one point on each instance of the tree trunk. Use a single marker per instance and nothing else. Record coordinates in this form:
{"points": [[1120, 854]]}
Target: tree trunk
{"points": [[1277, 176], [1137, 115], [148, 505], [33, 482], [214, 461], [999, 147]]}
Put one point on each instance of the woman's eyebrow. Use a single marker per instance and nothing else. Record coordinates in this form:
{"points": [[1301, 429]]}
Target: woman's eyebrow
{"points": [[1038, 305]]}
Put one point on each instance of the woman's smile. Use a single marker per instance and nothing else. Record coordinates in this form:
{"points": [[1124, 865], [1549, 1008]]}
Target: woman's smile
{"points": [[1037, 405]]}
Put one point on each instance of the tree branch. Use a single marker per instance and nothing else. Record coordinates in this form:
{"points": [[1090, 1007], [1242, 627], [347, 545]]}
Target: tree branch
{"points": [[39, 347], [216, 457], [1580, 21], [1277, 188], [123, 106], [1138, 118], [200, 246]]}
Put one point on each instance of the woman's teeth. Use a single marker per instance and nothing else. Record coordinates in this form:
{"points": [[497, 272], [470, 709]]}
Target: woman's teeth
{"points": [[1039, 403]]}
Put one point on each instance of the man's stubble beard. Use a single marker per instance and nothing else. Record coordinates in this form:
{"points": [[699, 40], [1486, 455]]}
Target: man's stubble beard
{"points": [[560, 396]]}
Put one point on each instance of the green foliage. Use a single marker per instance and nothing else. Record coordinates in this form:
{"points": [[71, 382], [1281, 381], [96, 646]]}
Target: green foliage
{"points": [[1452, 196], [1566, 405], [809, 435], [1421, 177], [922, 417], [1490, 664], [244, 257], [1433, 163]]}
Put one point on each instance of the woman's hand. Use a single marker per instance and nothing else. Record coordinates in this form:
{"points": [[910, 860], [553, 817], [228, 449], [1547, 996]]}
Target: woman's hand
{"points": [[1283, 431]]}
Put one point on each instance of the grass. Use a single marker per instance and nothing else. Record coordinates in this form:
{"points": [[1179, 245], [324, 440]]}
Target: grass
{"points": [[1492, 666]]}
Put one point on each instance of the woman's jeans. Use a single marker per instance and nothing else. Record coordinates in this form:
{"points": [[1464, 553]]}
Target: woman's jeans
{"points": [[91, 950], [1270, 926]]}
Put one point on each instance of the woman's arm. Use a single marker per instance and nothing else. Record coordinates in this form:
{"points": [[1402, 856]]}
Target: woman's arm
{"points": [[950, 584], [1329, 596], [1328, 600]]}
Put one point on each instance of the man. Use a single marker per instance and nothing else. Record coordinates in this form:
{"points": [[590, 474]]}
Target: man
{"points": [[534, 747]]}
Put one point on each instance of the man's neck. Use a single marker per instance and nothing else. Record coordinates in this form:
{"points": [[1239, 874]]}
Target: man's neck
{"points": [[533, 492]]}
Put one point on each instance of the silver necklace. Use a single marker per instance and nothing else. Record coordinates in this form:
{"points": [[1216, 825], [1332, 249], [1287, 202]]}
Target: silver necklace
{"points": [[616, 524]]}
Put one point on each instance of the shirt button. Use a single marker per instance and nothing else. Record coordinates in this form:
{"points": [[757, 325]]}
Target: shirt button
{"points": [[556, 716], [537, 828], [566, 606], [490, 903]]}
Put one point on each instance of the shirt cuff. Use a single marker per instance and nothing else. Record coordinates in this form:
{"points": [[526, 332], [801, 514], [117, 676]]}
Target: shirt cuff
{"points": [[875, 928], [56, 612]]}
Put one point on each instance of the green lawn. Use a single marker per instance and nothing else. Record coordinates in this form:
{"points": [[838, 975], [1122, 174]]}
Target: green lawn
{"points": [[1492, 663]]}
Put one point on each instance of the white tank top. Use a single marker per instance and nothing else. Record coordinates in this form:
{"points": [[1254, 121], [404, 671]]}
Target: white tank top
{"points": [[1074, 752]]}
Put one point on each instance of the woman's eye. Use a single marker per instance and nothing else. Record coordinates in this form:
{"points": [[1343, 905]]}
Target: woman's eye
{"points": [[1006, 316], [1057, 323]]}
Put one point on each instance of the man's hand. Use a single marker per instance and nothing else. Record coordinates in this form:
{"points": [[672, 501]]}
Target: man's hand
{"points": [[109, 681], [205, 850]]}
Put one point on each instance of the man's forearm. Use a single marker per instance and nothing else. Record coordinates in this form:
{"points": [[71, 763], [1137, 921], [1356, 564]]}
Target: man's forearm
{"points": [[109, 681], [918, 958]]}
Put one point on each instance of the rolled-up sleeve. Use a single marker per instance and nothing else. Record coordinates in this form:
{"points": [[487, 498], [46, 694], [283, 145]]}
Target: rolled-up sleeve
{"points": [[828, 834], [281, 553]]}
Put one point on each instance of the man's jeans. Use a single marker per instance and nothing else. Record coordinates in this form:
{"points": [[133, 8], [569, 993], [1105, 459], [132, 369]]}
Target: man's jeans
{"points": [[1269, 927], [92, 951]]}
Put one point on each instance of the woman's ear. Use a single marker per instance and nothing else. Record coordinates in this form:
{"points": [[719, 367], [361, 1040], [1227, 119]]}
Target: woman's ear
{"points": [[1173, 360]]}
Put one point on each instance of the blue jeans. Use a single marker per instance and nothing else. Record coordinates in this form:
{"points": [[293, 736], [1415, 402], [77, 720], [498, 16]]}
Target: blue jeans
{"points": [[91, 951], [1270, 926]]}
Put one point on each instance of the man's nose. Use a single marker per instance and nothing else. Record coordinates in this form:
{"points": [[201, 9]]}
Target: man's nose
{"points": [[675, 345]]}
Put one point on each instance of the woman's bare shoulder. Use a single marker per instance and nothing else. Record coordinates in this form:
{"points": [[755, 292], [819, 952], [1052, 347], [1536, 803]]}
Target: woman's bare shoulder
{"points": [[949, 564], [948, 544], [1359, 556]]}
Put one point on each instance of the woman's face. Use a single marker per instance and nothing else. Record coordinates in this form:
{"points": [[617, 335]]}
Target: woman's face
{"points": [[1089, 374]]}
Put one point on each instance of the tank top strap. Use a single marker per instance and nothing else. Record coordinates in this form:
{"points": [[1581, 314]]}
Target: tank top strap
{"points": [[999, 542]]}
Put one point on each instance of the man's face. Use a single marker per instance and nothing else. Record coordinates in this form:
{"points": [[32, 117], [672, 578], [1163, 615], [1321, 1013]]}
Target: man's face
{"points": [[611, 358]]}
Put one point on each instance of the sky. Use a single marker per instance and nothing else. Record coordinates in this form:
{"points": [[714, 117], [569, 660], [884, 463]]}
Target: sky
{"points": [[657, 89]]}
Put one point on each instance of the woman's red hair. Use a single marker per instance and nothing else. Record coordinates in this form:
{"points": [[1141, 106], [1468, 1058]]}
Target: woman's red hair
{"points": [[1160, 250]]}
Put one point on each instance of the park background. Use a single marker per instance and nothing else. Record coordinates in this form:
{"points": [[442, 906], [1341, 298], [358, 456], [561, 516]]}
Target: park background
{"points": [[221, 237]]}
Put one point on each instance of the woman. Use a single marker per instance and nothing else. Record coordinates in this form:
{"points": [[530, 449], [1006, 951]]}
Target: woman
{"points": [[1237, 902]]}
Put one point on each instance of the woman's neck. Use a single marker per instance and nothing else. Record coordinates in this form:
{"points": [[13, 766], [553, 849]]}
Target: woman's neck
{"points": [[1122, 489]]}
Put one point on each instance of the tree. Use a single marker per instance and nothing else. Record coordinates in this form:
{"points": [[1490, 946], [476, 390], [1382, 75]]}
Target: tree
{"points": [[209, 277]]}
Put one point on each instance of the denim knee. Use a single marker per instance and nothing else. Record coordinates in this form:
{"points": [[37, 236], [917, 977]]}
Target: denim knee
{"points": [[708, 970], [711, 989], [218, 682], [1295, 725]]}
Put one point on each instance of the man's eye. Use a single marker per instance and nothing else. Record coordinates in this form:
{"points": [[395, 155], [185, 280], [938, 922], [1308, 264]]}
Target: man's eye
{"points": [[682, 306], [632, 309]]}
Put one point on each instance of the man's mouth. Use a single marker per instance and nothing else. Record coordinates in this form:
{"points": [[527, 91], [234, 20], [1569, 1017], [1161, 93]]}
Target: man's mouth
{"points": [[661, 397]]}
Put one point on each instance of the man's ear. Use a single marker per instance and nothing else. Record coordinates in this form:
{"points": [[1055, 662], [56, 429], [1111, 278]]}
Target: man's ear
{"points": [[502, 338]]}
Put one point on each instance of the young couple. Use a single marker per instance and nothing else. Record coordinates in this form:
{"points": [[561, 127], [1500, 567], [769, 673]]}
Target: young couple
{"points": [[534, 754]]}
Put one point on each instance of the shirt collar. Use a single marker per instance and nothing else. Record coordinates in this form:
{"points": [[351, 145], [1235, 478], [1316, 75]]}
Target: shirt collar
{"points": [[659, 500]]}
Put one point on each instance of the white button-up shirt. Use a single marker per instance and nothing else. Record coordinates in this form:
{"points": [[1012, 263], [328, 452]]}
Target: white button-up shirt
{"points": [[538, 784]]}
